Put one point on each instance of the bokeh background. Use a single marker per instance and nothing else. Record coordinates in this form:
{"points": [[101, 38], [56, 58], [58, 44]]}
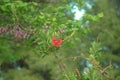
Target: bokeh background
{"points": [[23, 62]]}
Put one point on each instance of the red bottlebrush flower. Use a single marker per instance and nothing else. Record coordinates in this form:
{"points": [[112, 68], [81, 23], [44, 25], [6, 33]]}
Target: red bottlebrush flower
{"points": [[56, 42]]}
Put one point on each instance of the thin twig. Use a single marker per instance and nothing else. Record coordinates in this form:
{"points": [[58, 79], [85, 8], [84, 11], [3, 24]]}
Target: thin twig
{"points": [[61, 66]]}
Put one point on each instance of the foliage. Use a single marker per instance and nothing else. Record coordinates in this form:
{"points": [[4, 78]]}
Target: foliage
{"points": [[94, 71], [33, 30], [108, 28], [35, 26]]}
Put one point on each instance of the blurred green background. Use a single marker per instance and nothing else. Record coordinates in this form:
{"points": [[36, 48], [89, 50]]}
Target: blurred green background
{"points": [[20, 59]]}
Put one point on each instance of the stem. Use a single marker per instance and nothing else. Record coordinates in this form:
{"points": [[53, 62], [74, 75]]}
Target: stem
{"points": [[61, 66], [15, 17], [69, 36]]}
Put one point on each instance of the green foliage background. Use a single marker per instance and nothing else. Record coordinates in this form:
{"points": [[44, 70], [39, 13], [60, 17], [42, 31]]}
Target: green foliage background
{"points": [[97, 42]]}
